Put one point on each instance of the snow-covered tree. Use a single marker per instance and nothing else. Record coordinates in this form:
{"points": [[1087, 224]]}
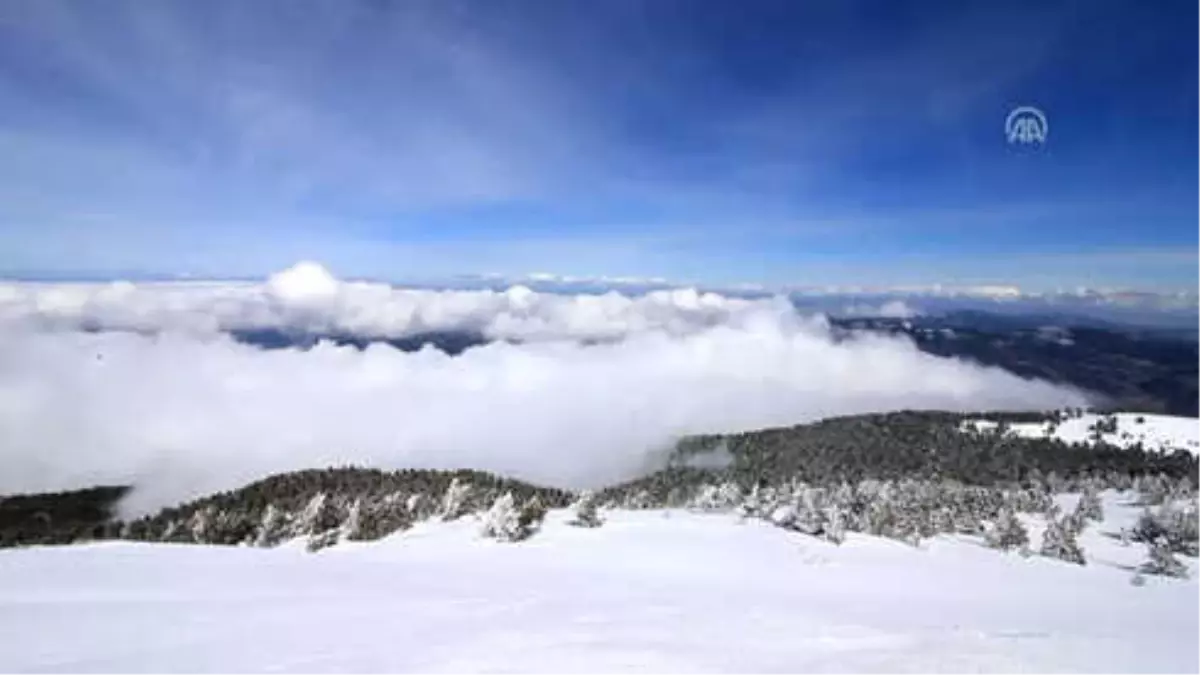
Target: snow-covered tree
{"points": [[881, 517], [941, 519], [730, 495], [1089, 506], [319, 515], [1007, 533], [500, 522], [415, 505], [587, 513], [677, 497], [1183, 528], [353, 527], [835, 527], [638, 500], [751, 505], [705, 499], [454, 502], [272, 528], [201, 524], [1162, 561], [322, 540], [505, 522], [1076, 521], [532, 514], [1052, 511], [1152, 489], [1036, 499], [320, 522], [845, 498], [1058, 541], [967, 520], [173, 528], [1185, 490], [1147, 528], [1176, 524], [810, 511]]}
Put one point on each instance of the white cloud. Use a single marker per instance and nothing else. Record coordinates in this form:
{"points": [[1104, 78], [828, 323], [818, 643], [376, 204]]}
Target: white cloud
{"points": [[307, 297], [892, 309], [184, 412]]}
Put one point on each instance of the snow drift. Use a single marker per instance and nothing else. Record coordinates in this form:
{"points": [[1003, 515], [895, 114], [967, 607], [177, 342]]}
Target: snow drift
{"points": [[154, 393]]}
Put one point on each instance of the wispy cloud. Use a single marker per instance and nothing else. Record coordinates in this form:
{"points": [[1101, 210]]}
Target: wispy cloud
{"points": [[625, 139]]}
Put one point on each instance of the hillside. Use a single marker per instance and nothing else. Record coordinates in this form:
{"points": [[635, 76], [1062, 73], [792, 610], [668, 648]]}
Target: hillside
{"points": [[648, 591], [909, 542], [932, 448]]}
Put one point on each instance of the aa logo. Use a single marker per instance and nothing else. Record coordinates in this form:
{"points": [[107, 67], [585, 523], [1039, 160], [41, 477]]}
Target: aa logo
{"points": [[1026, 125]]}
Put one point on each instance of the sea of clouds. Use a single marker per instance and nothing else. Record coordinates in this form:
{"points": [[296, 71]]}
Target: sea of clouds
{"points": [[142, 383]]}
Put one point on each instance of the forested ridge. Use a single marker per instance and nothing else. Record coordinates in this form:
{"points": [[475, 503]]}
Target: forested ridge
{"points": [[906, 475]]}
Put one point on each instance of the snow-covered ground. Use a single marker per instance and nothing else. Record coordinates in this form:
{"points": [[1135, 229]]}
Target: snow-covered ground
{"points": [[648, 591], [1154, 432]]}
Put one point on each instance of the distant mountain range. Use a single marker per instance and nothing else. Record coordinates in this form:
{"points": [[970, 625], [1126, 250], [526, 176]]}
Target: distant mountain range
{"points": [[1151, 369], [1147, 369]]}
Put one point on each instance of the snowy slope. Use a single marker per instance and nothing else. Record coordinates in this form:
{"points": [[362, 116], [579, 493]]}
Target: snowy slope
{"points": [[1155, 432], [649, 591]]}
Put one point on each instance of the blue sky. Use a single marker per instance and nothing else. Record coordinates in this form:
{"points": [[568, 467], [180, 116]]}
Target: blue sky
{"points": [[826, 142]]}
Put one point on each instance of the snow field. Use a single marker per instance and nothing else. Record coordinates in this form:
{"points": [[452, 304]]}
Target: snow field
{"points": [[1154, 432], [663, 591]]}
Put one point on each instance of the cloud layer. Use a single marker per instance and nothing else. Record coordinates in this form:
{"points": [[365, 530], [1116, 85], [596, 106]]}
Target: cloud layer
{"points": [[306, 297], [186, 409]]}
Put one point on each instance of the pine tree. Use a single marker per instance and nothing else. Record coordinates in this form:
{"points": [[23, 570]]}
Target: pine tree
{"points": [[454, 503], [271, 528], [1089, 506], [1179, 525], [1007, 533], [844, 500], [941, 520], [1075, 521], [706, 499], [1058, 541], [201, 525], [751, 505], [880, 517], [416, 506], [835, 528], [505, 522], [500, 522], [531, 516], [172, 530], [325, 539], [1185, 490], [809, 511], [352, 529], [966, 520], [1147, 529], [721, 497], [380, 519], [586, 511], [1162, 561], [1153, 489], [319, 516], [638, 500]]}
